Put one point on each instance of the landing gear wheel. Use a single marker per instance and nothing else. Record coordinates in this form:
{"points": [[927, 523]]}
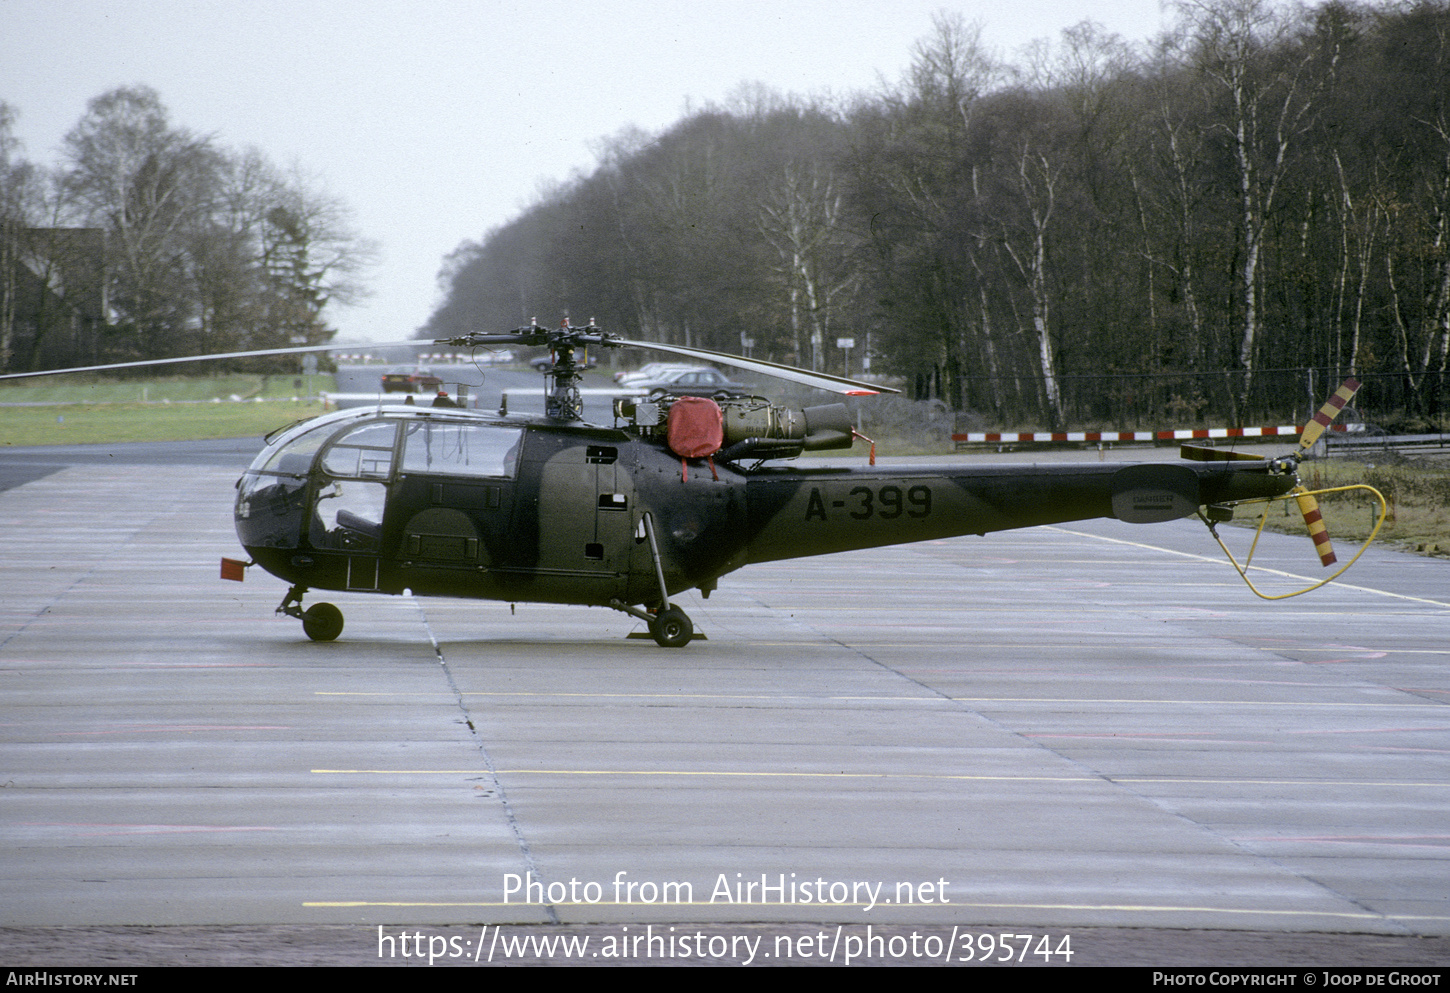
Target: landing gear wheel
{"points": [[322, 622], [671, 628]]}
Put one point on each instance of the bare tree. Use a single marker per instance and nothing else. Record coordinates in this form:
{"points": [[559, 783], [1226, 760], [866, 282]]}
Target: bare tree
{"points": [[312, 257], [16, 185], [802, 219], [1039, 180], [52, 277], [144, 182], [1244, 49], [1360, 222], [930, 221]]}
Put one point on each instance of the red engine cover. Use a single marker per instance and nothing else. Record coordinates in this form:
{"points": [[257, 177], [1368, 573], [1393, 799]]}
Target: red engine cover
{"points": [[696, 427]]}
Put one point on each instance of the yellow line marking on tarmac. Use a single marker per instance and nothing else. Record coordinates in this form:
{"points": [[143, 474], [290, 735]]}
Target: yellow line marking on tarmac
{"points": [[1141, 642], [1188, 780], [931, 777], [710, 773], [341, 904], [955, 905], [784, 697], [1272, 572], [660, 696], [1357, 705]]}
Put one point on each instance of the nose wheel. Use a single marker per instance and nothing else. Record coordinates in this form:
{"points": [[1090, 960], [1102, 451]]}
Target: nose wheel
{"points": [[320, 622]]}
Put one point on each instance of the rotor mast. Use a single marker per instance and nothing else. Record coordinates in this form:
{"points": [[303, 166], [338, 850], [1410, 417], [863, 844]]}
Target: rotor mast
{"points": [[562, 399]]}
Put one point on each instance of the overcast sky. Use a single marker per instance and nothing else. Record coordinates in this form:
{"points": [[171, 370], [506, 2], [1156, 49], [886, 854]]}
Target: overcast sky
{"points": [[436, 120]]}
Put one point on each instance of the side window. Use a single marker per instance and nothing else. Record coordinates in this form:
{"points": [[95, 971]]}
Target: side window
{"points": [[365, 452], [459, 449], [349, 516]]}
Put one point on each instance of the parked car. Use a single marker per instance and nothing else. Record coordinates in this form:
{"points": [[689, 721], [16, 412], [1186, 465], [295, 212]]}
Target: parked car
{"points": [[649, 370], [419, 379], [689, 381]]}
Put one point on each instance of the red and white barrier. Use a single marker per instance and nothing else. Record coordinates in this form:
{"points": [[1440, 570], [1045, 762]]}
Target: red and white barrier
{"points": [[1182, 434]]}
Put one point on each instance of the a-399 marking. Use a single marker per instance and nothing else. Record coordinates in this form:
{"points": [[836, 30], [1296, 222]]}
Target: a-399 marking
{"points": [[863, 503]]}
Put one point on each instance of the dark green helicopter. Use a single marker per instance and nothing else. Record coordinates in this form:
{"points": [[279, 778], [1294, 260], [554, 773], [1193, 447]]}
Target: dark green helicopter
{"points": [[679, 492]]}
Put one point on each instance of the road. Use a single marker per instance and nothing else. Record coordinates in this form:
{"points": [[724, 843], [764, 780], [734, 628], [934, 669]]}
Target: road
{"points": [[1092, 731], [485, 387]]}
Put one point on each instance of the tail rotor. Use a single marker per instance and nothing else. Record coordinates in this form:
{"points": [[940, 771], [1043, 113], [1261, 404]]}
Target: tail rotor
{"points": [[1327, 413], [1305, 498], [1309, 507]]}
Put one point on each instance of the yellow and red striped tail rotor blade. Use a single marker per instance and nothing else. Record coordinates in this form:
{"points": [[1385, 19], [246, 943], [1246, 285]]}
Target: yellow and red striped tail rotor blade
{"points": [[1309, 507], [1328, 412]]}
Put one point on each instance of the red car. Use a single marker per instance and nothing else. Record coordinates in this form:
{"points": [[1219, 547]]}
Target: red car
{"points": [[419, 379]]}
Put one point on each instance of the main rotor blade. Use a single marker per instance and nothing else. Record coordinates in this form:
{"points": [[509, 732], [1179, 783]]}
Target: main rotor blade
{"points": [[257, 353], [821, 381], [1328, 413], [482, 340], [1199, 453]]}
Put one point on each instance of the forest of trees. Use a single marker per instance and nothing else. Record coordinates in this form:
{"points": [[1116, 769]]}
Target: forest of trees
{"points": [[1221, 224], [151, 241]]}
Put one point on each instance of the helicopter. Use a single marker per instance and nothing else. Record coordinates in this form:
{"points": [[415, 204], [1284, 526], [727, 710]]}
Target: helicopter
{"points": [[677, 493]]}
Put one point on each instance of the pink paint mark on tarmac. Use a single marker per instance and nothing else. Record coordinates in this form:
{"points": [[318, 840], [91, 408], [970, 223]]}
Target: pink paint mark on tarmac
{"points": [[109, 830], [1396, 841], [1366, 730], [1197, 737], [182, 728], [1347, 658]]}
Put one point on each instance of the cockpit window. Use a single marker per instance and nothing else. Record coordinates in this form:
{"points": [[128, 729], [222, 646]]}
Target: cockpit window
{"points": [[365, 452], [461, 449]]}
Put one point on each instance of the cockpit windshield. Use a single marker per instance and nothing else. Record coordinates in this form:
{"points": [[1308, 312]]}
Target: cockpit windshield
{"points": [[327, 481], [294, 457]]}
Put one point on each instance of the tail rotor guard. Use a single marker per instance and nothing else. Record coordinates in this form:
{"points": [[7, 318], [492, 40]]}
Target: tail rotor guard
{"points": [[1303, 498]]}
